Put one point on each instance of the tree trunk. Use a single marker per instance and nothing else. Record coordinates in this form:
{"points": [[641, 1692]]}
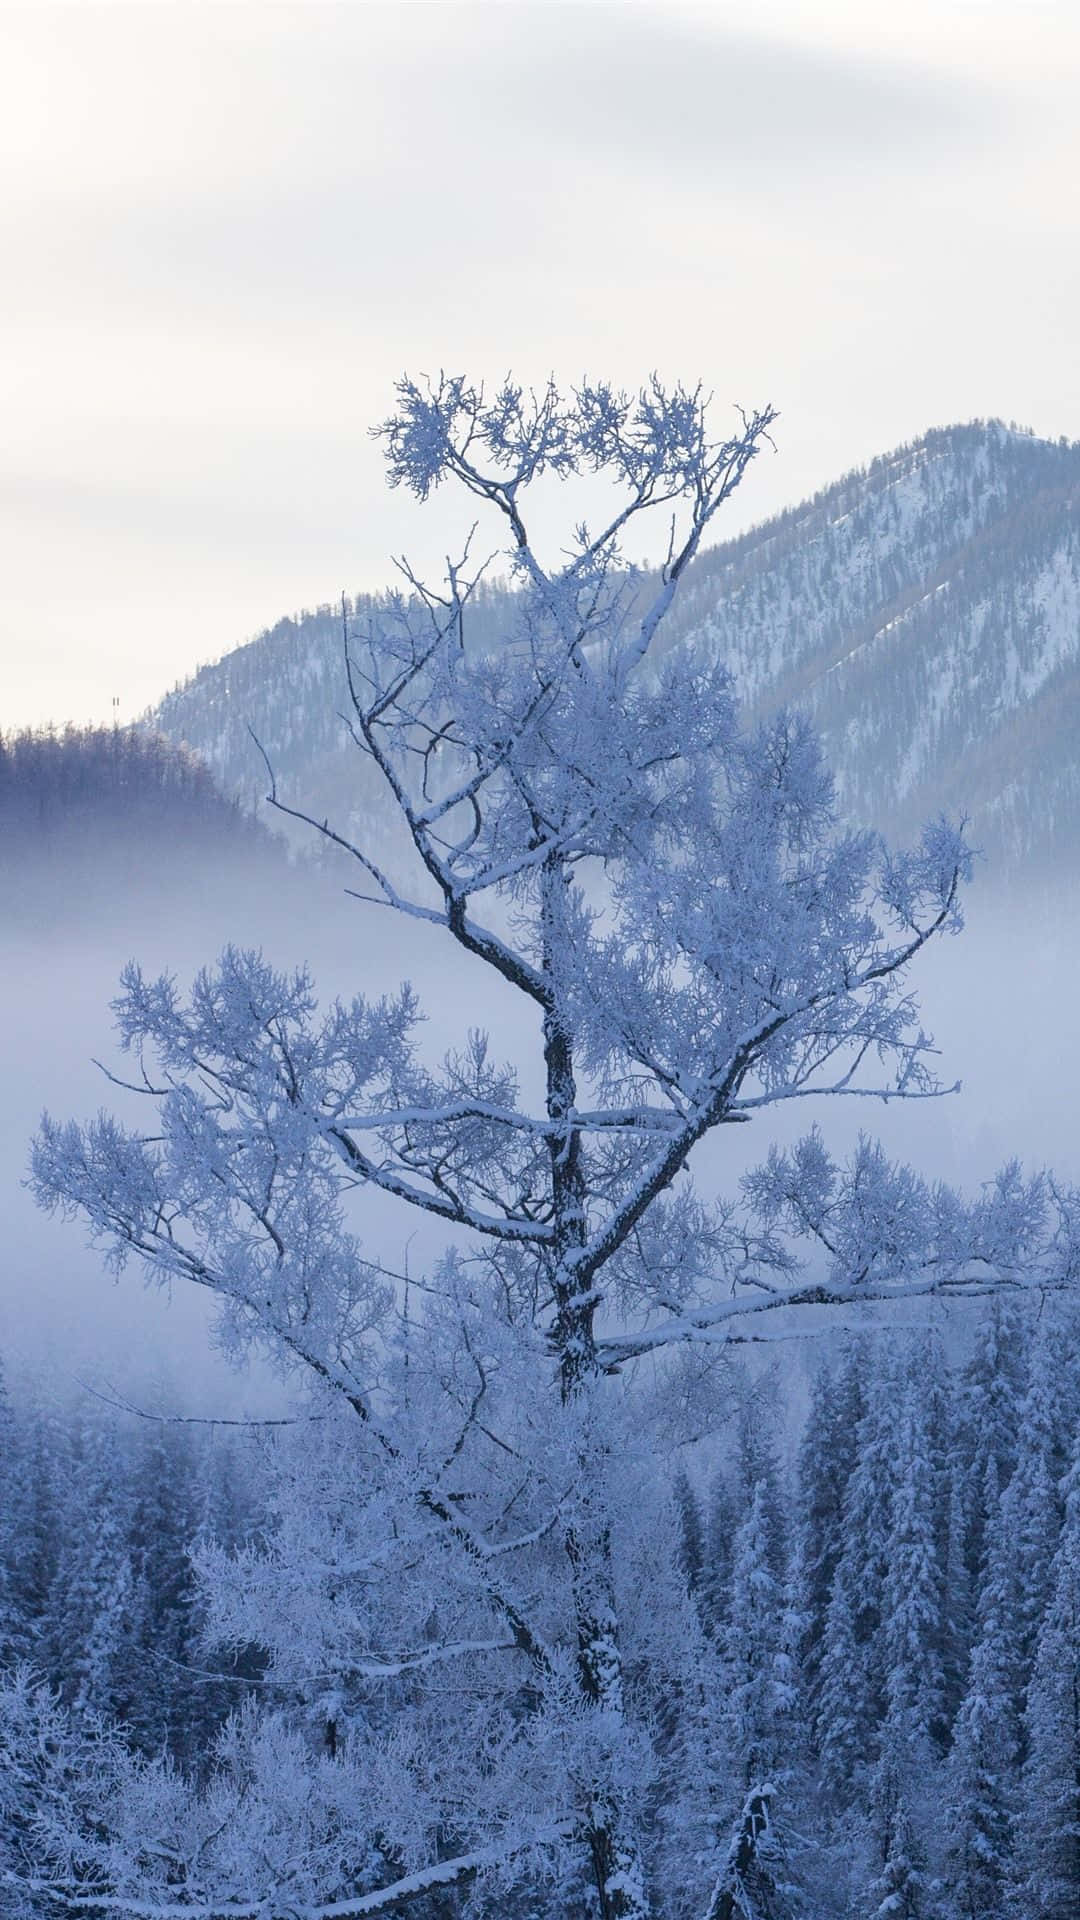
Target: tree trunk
{"points": [[729, 1899], [614, 1853]]}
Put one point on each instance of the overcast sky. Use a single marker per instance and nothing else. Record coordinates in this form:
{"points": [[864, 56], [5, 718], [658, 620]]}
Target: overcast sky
{"points": [[227, 228]]}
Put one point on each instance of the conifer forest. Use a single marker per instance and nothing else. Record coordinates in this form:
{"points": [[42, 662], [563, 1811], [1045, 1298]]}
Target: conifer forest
{"points": [[886, 1612]]}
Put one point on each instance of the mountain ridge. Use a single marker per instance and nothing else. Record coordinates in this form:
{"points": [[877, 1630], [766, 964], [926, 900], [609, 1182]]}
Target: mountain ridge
{"points": [[924, 609]]}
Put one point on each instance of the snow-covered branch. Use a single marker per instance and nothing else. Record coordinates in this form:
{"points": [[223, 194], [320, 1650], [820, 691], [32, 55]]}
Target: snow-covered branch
{"points": [[392, 1898]]}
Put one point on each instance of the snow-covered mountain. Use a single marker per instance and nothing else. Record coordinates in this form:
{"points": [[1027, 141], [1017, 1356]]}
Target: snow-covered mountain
{"points": [[926, 611]]}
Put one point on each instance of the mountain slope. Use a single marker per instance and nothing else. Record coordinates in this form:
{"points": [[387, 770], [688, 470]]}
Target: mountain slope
{"points": [[927, 614], [925, 610]]}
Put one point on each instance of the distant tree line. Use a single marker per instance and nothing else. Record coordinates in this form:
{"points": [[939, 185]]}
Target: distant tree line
{"points": [[91, 817], [69, 779]]}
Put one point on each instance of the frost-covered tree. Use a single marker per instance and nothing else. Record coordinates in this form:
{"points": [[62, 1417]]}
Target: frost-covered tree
{"points": [[478, 1653], [1048, 1815], [36, 1468], [1036, 1493], [691, 1531], [94, 1600], [853, 1679], [982, 1761], [722, 1518], [759, 1667], [825, 1464], [957, 1594], [897, 1889], [991, 1406], [911, 1593]]}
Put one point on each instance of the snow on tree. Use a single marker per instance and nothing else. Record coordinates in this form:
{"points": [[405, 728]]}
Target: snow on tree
{"points": [[1035, 1497], [992, 1395], [476, 1648], [722, 1519], [94, 1598], [957, 1594], [911, 1592], [851, 1697], [36, 1465], [825, 1465], [691, 1531], [982, 1760], [760, 1671], [898, 1887], [9, 1612], [1048, 1814]]}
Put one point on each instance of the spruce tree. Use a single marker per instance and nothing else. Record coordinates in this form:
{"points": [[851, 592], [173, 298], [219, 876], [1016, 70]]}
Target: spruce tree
{"points": [[981, 1774], [10, 1623], [897, 1889], [957, 1596], [851, 1700], [1048, 1820], [758, 1659], [162, 1527], [1049, 1420], [691, 1531], [721, 1525], [992, 1391], [911, 1592], [825, 1462], [37, 1472], [92, 1627]]}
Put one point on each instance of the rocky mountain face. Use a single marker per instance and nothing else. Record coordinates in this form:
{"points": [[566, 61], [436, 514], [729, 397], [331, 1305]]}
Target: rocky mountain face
{"points": [[926, 611]]}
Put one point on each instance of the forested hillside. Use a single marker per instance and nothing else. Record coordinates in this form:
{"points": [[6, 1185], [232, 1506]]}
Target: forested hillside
{"points": [[60, 786], [925, 610], [927, 614], [99, 821]]}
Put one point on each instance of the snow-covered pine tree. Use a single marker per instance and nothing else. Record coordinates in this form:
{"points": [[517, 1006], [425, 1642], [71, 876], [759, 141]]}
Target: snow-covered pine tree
{"points": [[1049, 1422], [981, 1778], [757, 1469], [910, 1607], [10, 1623], [227, 1505], [1048, 1811], [852, 1690], [897, 1887], [825, 1463], [991, 1400], [957, 1588], [163, 1526], [760, 1671], [722, 1519], [691, 1531], [93, 1623], [36, 1471]]}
